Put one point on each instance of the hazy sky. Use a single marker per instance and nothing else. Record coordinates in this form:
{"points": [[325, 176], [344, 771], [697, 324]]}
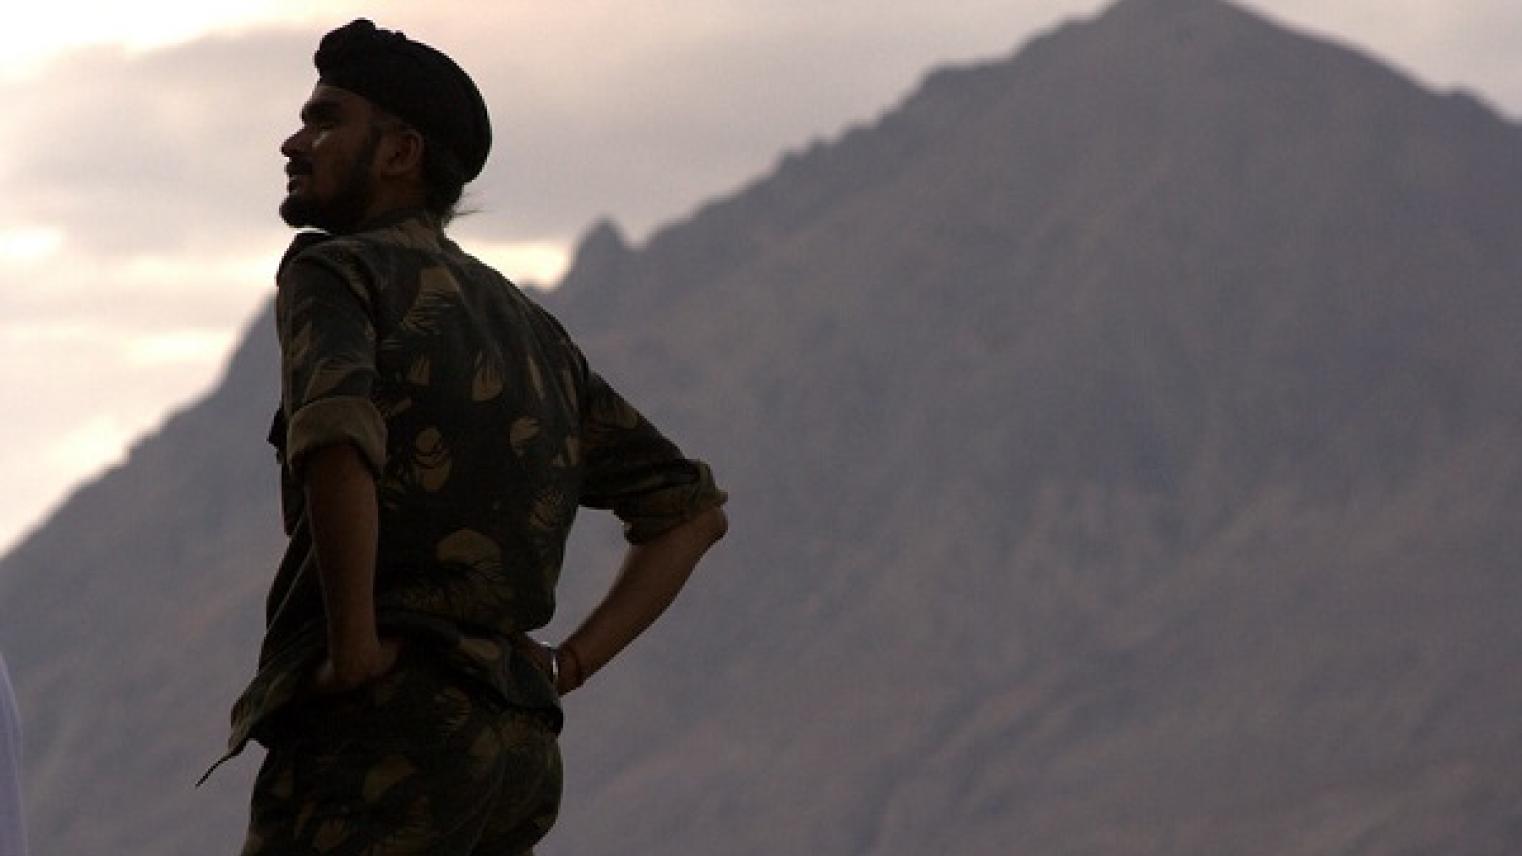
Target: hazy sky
{"points": [[139, 169]]}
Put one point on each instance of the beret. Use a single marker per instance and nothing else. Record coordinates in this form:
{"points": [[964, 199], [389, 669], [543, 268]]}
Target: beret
{"points": [[417, 83]]}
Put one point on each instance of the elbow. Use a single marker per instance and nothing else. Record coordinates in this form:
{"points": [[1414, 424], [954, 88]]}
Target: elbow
{"points": [[692, 536], [711, 525]]}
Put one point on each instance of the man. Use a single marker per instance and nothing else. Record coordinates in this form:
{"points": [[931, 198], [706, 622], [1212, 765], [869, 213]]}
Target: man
{"points": [[437, 431], [12, 828]]}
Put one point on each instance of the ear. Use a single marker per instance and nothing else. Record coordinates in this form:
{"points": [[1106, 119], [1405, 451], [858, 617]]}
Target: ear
{"points": [[400, 153]]}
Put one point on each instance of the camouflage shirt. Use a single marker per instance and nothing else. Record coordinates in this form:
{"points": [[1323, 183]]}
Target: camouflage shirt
{"points": [[485, 429]]}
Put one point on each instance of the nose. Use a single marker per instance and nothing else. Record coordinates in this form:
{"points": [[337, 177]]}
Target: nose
{"points": [[293, 145]]}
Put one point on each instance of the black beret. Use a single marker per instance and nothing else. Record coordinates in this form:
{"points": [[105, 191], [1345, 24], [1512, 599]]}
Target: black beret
{"points": [[417, 83]]}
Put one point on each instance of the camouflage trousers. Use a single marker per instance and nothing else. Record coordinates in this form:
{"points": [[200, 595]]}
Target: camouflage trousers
{"points": [[413, 763]]}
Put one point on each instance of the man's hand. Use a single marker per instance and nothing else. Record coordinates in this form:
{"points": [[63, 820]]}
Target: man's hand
{"points": [[341, 502], [353, 669], [556, 664], [652, 575]]}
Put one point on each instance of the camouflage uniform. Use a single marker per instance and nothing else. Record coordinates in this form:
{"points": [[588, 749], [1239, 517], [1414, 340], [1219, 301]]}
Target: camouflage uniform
{"points": [[485, 429]]}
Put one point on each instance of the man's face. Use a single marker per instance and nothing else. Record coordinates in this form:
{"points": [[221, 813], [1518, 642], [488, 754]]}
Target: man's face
{"points": [[329, 161]]}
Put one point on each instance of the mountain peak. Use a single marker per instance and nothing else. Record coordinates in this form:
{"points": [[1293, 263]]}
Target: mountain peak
{"points": [[1173, 10], [598, 263], [1165, 6], [604, 239]]}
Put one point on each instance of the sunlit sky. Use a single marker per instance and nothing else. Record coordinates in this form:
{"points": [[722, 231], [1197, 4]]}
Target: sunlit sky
{"points": [[139, 171]]}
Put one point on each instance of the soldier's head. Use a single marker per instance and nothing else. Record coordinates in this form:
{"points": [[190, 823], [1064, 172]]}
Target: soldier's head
{"points": [[391, 123]]}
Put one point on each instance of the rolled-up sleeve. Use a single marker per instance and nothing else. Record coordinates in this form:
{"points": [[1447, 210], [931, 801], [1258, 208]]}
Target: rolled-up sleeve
{"points": [[327, 354], [637, 473]]}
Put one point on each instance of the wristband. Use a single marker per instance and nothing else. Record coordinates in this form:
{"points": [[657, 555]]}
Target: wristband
{"points": [[554, 666]]}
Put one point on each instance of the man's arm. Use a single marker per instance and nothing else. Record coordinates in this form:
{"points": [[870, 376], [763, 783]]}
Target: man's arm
{"points": [[649, 580], [335, 443], [341, 504]]}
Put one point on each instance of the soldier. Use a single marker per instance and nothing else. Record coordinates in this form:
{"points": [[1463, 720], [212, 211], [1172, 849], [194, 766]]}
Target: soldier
{"points": [[436, 433]]}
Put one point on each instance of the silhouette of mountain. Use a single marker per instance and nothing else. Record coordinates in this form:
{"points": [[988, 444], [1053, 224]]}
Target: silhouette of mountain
{"points": [[1124, 448]]}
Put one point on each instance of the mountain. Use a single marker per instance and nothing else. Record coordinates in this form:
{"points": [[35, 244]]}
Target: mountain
{"points": [[1124, 448]]}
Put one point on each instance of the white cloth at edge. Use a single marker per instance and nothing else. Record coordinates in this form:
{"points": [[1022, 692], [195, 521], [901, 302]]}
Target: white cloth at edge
{"points": [[12, 829]]}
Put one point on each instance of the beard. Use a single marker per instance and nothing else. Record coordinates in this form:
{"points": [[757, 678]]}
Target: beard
{"points": [[346, 208]]}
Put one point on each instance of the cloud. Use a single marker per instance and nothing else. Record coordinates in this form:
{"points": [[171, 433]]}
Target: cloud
{"points": [[178, 148], [535, 263], [78, 392], [25, 246], [177, 151]]}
